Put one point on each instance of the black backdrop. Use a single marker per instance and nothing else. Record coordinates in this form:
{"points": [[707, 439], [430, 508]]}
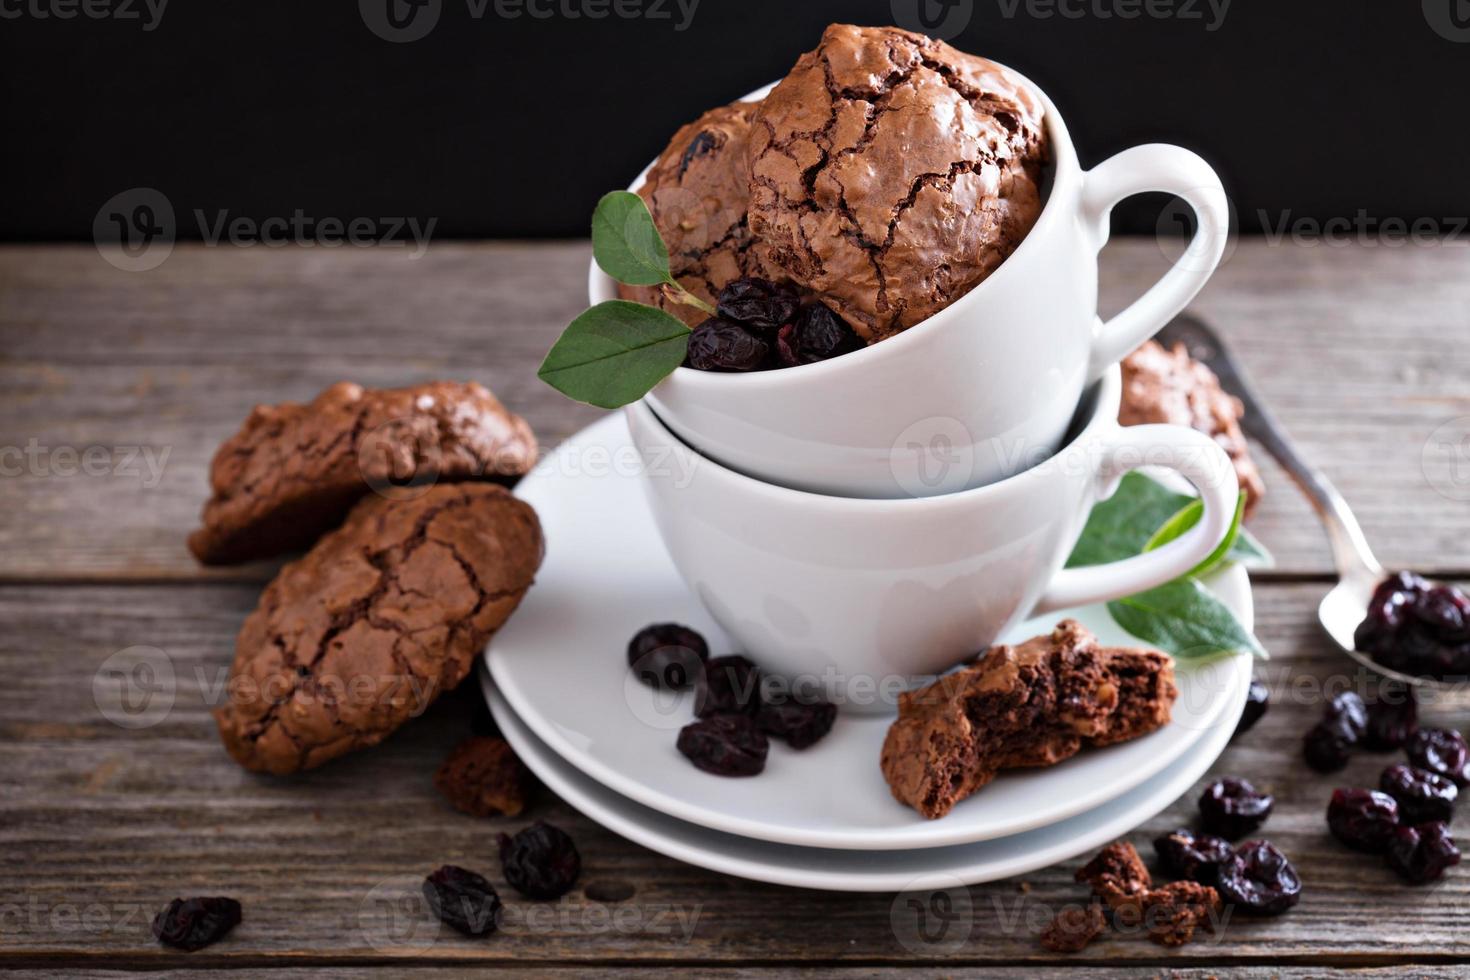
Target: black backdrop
{"points": [[513, 125]]}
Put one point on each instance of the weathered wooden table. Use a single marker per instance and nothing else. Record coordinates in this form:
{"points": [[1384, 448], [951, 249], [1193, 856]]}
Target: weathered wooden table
{"points": [[115, 389]]}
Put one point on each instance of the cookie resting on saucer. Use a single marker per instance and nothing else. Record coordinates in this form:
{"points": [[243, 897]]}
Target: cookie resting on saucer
{"points": [[375, 622], [1019, 706], [293, 471]]}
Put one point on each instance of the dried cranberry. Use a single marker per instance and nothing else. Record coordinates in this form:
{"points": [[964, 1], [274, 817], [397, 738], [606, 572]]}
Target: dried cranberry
{"points": [[1349, 707], [1393, 718], [1417, 628], [1233, 808], [728, 685], [667, 655], [703, 143], [720, 345], [1423, 796], [1257, 700], [1421, 854], [464, 900], [540, 862], [726, 745], [1443, 610], [194, 923], [817, 335], [1362, 818], [1442, 751], [758, 304], [799, 723], [1196, 858], [1259, 880], [1328, 745]]}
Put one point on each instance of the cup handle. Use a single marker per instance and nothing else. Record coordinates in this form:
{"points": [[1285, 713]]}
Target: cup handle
{"points": [[1199, 460], [1173, 170]]}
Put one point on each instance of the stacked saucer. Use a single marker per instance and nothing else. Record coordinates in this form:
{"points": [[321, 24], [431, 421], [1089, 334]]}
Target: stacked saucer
{"points": [[559, 686]]}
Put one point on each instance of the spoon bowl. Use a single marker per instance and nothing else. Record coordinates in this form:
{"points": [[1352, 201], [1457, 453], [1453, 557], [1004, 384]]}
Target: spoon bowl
{"points": [[1359, 572]]}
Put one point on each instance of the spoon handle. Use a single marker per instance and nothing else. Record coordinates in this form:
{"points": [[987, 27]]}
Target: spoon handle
{"points": [[1350, 551]]}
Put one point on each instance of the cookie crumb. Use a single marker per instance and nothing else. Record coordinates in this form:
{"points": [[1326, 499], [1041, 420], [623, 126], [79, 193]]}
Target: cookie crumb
{"points": [[1073, 928], [483, 777], [1119, 877], [1173, 912]]}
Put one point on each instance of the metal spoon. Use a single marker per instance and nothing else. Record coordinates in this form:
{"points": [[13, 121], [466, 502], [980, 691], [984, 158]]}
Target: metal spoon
{"points": [[1358, 571]]}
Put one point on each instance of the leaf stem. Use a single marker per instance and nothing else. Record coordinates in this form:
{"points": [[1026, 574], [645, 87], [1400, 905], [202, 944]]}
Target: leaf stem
{"points": [[679, 294]]}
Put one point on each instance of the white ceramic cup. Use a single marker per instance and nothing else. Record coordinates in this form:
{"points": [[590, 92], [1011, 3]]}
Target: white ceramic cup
{"points": [[980, 390], [878, 595]]}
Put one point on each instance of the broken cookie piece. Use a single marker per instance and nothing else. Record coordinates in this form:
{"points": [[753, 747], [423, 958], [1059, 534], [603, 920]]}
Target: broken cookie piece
{"points": [[375, 622], [484, 778], [1174, 912], [1073, 928], [293, 471], [1029, 705], [1119, 877], [1169, 386], [698, 192]]}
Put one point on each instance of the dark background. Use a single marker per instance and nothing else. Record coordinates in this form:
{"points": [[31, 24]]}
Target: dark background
{"points": [[513, 127]]}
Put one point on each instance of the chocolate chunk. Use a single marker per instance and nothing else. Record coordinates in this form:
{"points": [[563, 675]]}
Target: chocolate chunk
{"points": [[293, 471], [373, 623], [1029, 705]]}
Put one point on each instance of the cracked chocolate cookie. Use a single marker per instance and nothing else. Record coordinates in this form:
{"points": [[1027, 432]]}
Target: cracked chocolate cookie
{"points": [[891, 173], [1029, 705], [293, 471], [698, 192], [371, 625], [1161, 385]]}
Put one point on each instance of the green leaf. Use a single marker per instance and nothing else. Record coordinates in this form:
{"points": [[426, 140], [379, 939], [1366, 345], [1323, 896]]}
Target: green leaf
{"points": [[1183, 618], [1120, 526], [626, 243], [1188, 517], [614, 353], [1250, 552]]}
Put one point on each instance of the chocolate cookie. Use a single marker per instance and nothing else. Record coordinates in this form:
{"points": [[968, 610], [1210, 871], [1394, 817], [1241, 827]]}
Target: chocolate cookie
{"points": [[383, 615], [698, 192], [1029, 705], [1170, 386], [891, 174], [293, 471]]}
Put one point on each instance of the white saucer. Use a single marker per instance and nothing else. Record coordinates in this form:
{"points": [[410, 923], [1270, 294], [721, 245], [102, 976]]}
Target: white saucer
{"points": [[867, 871], [560, 663]]}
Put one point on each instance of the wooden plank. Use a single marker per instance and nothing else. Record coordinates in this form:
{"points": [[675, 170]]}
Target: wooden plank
{"points": [[1361, 349], [101, 825]]}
